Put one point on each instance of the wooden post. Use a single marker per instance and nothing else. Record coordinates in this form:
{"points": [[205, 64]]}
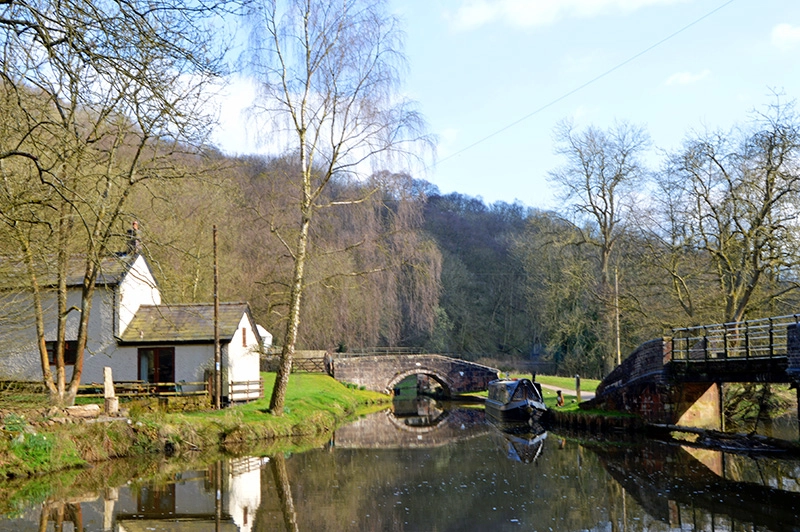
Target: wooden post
{"points": [[111, 401]]}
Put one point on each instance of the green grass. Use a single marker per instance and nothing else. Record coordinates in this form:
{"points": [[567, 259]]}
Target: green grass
{"points": [[567, 383], [314, 405]]}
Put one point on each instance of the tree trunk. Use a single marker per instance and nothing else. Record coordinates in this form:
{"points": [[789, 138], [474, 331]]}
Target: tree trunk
{"points": [[287, 351]]}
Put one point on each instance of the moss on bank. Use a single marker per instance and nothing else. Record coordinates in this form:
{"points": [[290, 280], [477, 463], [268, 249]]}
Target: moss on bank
{"points": [[315, 404]]}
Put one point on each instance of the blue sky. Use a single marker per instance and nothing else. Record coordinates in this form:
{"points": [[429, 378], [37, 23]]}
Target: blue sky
{"points": [[476, 67]]}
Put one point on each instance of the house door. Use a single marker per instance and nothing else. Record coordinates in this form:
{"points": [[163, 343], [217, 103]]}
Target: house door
{"points": [[157, 364]]}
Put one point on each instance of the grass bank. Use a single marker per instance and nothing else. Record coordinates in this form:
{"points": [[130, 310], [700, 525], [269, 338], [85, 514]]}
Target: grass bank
{"points": [[315, 404]]}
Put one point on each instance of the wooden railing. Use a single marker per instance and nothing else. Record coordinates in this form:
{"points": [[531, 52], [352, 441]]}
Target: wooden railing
{"points": [[142, 388], [312, 365], [371, 351], [245, 391], [762, 338]]}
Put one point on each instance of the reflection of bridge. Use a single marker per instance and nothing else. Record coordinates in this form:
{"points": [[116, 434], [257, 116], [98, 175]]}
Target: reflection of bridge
{"points": [[383, 372], [384, 430], [673, 483], [676, 380]]}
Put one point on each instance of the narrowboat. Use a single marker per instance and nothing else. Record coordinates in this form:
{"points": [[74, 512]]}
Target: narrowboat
{"points": [[515, 400]]}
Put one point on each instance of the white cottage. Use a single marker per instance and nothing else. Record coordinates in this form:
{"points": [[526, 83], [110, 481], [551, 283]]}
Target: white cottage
{"points": [[134, 334]]}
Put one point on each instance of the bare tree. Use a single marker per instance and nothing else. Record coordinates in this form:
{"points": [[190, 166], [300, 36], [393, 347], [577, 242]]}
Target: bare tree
{"points": [[105, 96], [600, 179], [328, 73], [735, 208]]}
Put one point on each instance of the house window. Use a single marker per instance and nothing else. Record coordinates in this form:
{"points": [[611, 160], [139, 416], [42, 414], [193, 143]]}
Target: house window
{"points": [[70, 352], [244, 337], [157, 364]]}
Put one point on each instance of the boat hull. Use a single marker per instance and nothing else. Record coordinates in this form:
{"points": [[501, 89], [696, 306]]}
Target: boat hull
{"points": [[514, 411]]}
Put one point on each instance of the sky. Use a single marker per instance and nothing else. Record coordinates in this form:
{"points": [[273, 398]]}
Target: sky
{"points": [[493, 78]]}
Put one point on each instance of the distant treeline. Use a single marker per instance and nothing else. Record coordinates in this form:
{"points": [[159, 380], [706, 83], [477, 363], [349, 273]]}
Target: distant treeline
{"points": [[709, 237]]}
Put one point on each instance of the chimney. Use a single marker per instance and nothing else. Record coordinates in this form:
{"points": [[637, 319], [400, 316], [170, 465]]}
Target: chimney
{"points": [[134, 244]]}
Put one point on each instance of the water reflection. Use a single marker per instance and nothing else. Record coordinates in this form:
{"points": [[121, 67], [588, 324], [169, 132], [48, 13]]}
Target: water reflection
{"points": [[223, 496], [706, 489], [421, 422], [524, 443], [432, 467]]}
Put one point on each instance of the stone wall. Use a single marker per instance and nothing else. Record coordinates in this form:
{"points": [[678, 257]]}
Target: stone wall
{"points": [[381, 373]]}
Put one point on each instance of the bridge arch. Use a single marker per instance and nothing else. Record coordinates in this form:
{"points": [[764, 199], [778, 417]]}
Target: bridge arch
{"points": [[446, 384], [381, 373]]}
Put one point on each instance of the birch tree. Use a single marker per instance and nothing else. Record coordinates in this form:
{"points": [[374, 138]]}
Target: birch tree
{"points": [[328, 74]]}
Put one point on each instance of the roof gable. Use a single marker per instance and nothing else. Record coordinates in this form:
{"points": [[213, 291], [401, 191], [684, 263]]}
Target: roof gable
{"points": [[188, 323]]}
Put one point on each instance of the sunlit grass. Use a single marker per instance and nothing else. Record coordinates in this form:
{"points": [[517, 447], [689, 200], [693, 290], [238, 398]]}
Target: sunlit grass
{"points": [[314, 403], [567, 383]]}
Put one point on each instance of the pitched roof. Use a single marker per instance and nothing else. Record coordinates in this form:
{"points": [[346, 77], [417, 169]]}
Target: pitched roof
{"points": [[112, 269], [190, 323]]}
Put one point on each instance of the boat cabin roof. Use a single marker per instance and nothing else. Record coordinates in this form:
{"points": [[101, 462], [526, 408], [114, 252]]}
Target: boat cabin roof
{"points": [[507, 390]]}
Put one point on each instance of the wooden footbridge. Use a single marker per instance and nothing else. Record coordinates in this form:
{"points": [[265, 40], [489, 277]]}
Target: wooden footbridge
{"points": [[678, 379]]}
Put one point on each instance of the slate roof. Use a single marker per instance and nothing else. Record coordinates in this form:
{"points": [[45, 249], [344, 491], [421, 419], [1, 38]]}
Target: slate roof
{"points": [[112, 270], [189, 323]]}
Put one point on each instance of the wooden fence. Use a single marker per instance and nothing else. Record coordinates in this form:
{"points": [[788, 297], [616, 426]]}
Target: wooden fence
{"points": [[243, 391], [311, 365], [142, 388], [239, 391]]}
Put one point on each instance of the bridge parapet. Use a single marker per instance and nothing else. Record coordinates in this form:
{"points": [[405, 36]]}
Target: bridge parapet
{"points": [[642, 386], [381, 373], [793, 354]]}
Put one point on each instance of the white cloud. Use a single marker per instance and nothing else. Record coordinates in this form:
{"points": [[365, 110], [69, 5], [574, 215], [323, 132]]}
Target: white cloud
{"points": [[531, 13], [687, 78], [233, 100], [786, 37]]}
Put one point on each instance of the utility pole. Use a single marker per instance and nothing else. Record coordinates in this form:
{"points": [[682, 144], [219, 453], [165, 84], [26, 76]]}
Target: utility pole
{"points": [[616, 308], [217, 357]]}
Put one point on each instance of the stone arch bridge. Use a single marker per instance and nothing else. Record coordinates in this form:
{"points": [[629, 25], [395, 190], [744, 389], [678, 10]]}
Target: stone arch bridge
{"points": [[381, 373]]}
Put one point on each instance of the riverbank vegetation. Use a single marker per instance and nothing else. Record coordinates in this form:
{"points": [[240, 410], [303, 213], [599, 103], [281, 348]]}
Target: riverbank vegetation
{"points": [[315, 404]]}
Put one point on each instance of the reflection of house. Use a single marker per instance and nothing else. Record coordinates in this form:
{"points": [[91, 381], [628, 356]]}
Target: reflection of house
{"points": [[133, 333], [191, 503]]}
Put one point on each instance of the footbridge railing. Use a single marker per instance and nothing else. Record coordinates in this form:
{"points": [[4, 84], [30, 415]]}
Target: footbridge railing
{"points": [[761, 338]]}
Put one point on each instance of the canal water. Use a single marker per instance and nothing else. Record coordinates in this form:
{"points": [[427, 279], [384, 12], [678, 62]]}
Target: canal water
{"points": [[428, 467]]}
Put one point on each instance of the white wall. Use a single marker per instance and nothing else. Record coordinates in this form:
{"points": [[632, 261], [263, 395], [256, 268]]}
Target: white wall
{"points": [[243, 496], [242, 361], [136, 289], [21, 353]]}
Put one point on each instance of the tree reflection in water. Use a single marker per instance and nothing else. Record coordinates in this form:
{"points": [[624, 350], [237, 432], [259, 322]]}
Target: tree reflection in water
{"points": [[382, 474]]}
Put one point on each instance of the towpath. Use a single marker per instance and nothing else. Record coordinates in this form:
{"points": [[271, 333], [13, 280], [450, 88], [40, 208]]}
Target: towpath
{"points": [[585, 396]]}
